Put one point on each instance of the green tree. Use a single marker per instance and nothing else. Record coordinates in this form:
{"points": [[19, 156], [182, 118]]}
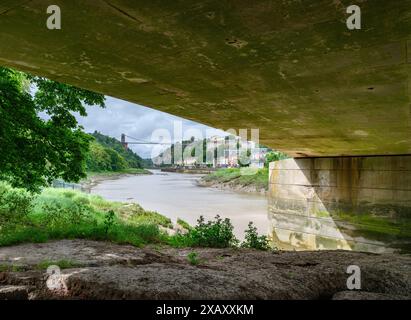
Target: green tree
{"points": [[35, 151], [98, 159]]}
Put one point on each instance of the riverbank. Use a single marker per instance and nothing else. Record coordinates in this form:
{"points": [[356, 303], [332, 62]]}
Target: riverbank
{"points": [[94, 178], [68, 214], [101, 270], [238, 179]]}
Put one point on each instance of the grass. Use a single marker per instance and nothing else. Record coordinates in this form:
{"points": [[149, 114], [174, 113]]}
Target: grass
{"points": [[68, 214], [184, 224], [143, 216], [257, 178]]}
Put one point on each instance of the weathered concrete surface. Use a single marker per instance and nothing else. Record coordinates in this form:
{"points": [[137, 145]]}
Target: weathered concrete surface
{"points": [[109, 271], [360, 203], [290, 68]]}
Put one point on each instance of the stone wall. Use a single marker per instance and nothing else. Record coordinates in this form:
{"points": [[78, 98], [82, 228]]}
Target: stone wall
{"points": [[359, 203]]}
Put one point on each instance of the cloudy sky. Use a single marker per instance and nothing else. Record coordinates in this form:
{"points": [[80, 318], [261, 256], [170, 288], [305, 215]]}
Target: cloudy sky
{"points": [[140, 122]]}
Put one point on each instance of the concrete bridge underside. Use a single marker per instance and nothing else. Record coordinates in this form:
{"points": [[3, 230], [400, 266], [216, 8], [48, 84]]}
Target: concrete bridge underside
{"points": [[290, 68]]}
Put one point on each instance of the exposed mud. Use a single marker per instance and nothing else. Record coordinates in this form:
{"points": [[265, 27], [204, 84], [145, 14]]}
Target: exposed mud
{"points": [[109, 271], [93, 180], [232, 186]]}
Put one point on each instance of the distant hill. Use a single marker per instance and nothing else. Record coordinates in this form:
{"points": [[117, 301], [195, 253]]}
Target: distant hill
{"points": [[108, 154]]}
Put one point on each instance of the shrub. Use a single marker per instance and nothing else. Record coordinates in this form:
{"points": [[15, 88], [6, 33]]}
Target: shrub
{"points": [[212, 234], [15, 205], [253, 240]]}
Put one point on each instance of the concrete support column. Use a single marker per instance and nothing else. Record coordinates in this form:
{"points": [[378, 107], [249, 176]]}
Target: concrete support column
{"points": [[354, 203]]}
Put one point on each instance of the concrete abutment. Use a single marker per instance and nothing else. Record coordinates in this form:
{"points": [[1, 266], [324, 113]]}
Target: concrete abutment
{"points": [[354, 203]]}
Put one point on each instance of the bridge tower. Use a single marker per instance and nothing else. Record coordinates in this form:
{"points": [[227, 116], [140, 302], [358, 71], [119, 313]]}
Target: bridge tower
{"points": [[123, 141]]}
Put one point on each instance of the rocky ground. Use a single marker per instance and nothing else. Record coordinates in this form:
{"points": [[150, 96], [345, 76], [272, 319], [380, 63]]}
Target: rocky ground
{"points": [[100, 270]]}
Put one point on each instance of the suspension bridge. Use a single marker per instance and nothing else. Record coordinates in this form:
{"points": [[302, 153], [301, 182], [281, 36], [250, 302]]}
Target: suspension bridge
{"points": [[125, 141]]}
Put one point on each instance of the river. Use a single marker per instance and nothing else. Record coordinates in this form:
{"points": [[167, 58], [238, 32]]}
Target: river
{"points": [[177, 195]]}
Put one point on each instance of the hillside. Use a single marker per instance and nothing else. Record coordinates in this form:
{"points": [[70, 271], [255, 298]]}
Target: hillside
{"points": [[108, 154]]}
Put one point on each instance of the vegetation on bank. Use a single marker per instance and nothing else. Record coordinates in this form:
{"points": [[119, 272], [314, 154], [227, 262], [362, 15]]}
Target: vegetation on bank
{"points": [[274, 156], [245, 177], [112, 174], [239, 177], [68, 214], [108, 155]]}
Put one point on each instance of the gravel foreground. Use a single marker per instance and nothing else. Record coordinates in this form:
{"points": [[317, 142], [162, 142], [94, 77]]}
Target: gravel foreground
{"points": [[101, 270]]}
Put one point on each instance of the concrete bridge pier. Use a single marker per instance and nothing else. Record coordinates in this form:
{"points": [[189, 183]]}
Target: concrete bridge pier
{"points": [[355, 203]]}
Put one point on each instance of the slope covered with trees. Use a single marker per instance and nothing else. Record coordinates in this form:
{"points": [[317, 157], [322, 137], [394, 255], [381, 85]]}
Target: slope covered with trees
{"points": [[108, 154]]}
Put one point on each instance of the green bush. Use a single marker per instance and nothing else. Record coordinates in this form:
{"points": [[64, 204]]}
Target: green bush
{"points": [[217, 233], [15, 205], [253, 240]]}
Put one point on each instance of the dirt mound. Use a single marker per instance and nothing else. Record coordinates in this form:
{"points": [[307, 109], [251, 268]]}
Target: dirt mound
{"points": [[100, 270]]}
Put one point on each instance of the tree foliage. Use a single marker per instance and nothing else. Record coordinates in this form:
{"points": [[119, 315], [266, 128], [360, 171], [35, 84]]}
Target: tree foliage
{"points": [[108, 154], [274, 156], [131, 159], [34, 151]]}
